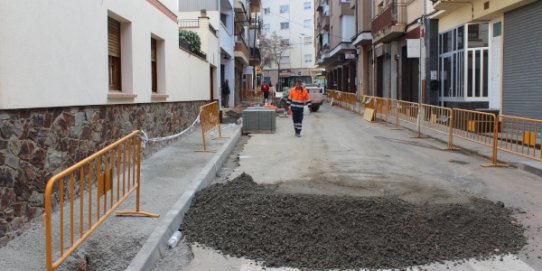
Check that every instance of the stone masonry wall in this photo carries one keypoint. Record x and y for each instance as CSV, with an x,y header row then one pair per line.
x,y
35,144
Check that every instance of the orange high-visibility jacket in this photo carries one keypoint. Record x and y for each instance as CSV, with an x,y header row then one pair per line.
x,y
299,98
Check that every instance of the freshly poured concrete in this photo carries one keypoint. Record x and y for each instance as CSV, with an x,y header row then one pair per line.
x,y
340,153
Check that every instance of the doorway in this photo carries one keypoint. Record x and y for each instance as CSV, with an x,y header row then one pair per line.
x,y
380,76
410,80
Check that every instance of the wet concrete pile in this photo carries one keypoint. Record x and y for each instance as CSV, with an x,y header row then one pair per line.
x,y
243,219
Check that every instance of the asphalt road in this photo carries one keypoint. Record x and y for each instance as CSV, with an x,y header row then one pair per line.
x,y
340,153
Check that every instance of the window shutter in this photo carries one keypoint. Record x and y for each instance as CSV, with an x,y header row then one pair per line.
x,y
113,30
153,49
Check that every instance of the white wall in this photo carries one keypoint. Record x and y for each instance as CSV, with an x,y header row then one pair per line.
x,y
296,16
54,53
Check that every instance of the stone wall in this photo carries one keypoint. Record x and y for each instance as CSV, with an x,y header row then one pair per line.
x,y
35,144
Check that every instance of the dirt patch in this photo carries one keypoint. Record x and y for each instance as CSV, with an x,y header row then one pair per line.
x,y
243,219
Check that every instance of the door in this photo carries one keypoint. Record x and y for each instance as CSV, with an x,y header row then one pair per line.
x,y
212,83
495,64
446,75
380,76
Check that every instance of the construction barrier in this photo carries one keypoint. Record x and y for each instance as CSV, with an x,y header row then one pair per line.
x,y
209,115
516,135
520,136
407,111
250,95
98,184
478,127
439,119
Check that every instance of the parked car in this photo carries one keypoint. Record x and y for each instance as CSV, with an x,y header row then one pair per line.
x,y
315,91
317,95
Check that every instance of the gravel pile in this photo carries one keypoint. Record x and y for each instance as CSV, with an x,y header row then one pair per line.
x,y
243,219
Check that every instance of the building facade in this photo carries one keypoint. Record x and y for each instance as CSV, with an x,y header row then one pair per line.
x,y
69,89
292,20
221,15
362,41
473,41
335,28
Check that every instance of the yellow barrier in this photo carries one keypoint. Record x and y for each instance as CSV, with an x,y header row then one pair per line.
x,y
478,127
439,119
109,176
209,120
521,136
248,95
407,111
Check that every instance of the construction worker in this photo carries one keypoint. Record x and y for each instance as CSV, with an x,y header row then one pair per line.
x,y
298,99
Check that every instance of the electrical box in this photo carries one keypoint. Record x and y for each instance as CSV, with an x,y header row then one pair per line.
x,y
259,120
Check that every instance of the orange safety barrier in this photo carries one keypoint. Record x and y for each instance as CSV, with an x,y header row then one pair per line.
x,y
521,136
407,112
439,119
478,127
209,115
102,182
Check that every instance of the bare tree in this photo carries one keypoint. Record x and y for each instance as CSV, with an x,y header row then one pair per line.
x,y
273,48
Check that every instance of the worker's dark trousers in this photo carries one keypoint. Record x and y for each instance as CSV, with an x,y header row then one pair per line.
x,y
297,117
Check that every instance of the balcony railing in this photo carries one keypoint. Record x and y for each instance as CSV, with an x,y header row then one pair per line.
x,y
383,20
241,46
189,23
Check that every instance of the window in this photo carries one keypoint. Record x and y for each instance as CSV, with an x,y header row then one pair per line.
x,y
478,35
266,10
464,61
284,9
308,58
307,40
284,59
266,28
154,72
307,5
224,19
284,25
114,55
497,29
307,23
284,42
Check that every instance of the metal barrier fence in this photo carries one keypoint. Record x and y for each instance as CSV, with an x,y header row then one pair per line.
x,y
439,119
101,182
209,115
251,95
407,111
516,135
520,136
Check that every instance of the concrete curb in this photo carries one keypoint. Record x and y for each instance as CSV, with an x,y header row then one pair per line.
x,y
156,244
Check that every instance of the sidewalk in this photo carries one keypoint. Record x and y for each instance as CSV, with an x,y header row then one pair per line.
x,y
465,146
165,177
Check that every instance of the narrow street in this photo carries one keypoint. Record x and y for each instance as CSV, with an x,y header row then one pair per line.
x,y
341,154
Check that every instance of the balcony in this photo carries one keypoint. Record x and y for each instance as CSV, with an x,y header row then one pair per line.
x,y
389,24
449,5
241,50
324,23
255,57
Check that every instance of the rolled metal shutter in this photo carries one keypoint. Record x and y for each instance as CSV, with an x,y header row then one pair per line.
x,y
522,62
113,32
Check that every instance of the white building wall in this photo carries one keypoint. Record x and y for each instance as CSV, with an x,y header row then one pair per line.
x,y
225,46
54,53
296,16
